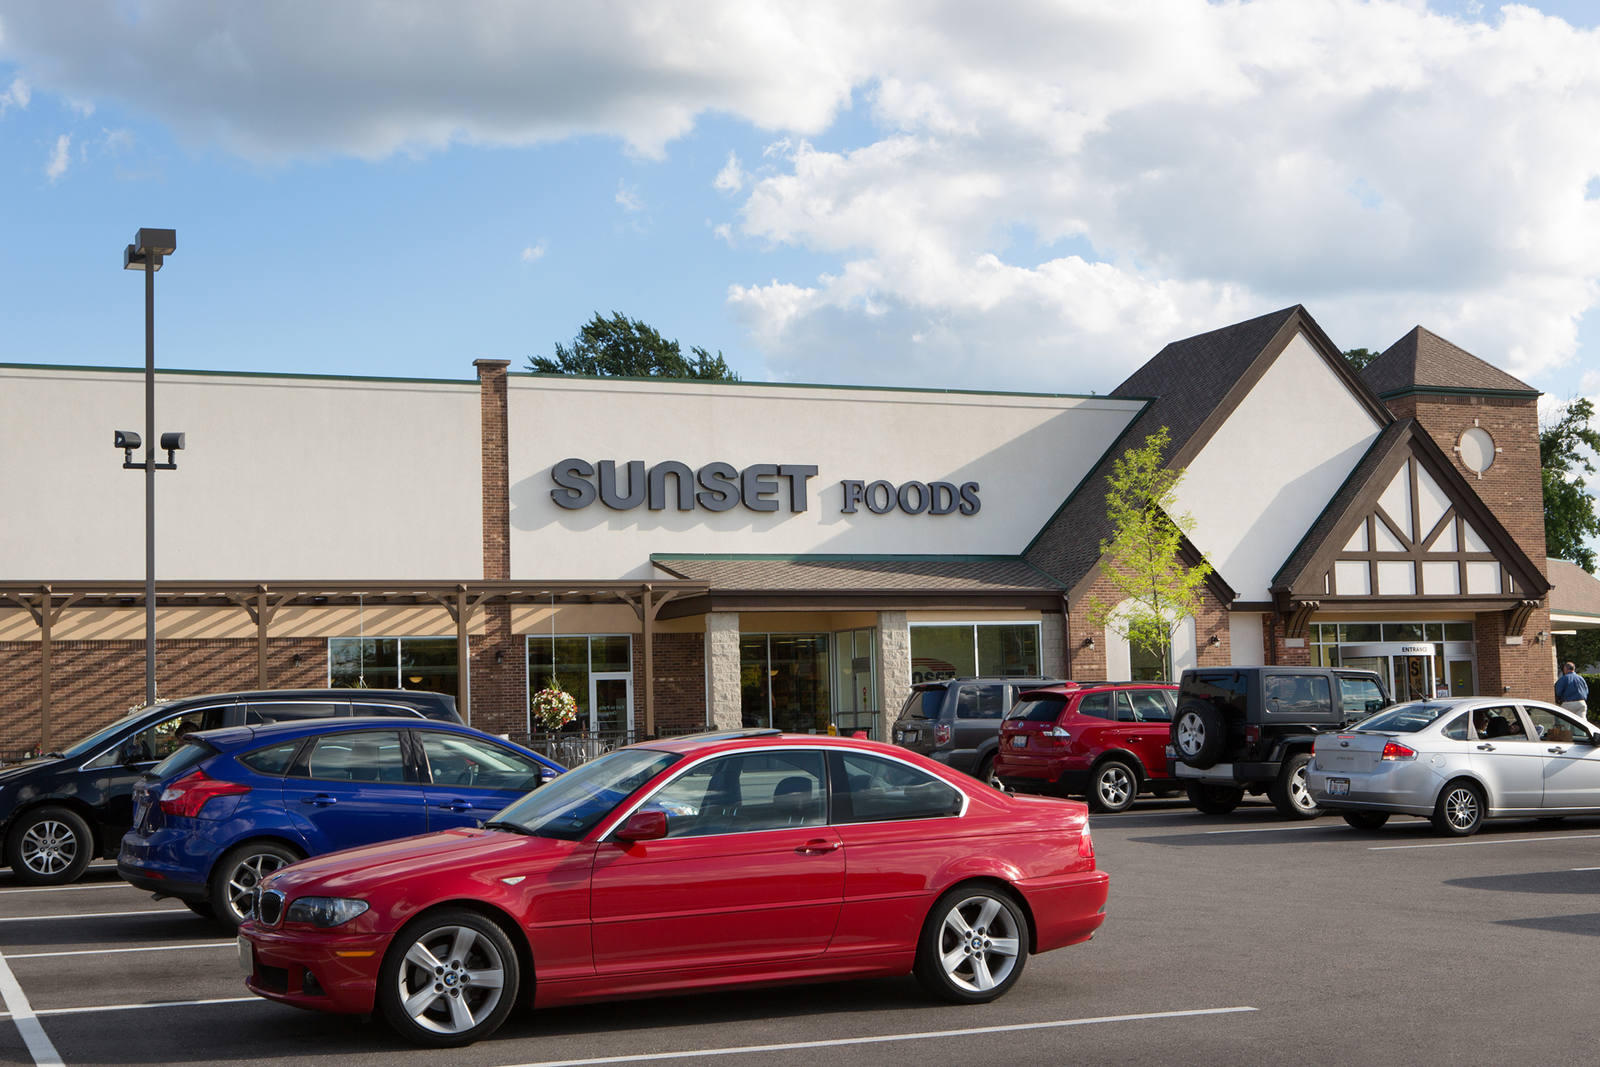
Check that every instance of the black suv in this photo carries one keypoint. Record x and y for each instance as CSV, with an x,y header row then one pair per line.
x,y
1250,729
957,720
59,811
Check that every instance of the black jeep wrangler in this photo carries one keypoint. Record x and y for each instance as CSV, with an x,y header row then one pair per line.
x,y
1245,730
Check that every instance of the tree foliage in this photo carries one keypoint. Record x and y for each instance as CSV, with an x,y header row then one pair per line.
x,y
1567,447
620,347
1358,358
1142,559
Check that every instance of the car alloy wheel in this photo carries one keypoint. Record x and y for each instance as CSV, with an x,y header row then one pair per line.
x,y
50,846
1459,812
233,886
1115,787
1191,734
450,980
973,946
1290,793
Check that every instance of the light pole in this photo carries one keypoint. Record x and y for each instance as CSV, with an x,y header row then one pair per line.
x,y
149,249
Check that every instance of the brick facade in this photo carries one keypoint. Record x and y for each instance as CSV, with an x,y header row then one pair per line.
x,y
1084,662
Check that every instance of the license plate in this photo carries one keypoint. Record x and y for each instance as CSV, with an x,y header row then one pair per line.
x,y
247,956
1338,787
1020,741
1172,753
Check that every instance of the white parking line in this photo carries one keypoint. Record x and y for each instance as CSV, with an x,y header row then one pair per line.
x,y
65,888
1279,829
880,1039
1586,868
90,1009
1505,841
109,951
21,1012
168,912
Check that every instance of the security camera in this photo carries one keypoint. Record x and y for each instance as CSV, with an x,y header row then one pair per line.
x,y
128,439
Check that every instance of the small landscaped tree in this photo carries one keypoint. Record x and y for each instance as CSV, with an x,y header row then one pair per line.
x,y
1143,557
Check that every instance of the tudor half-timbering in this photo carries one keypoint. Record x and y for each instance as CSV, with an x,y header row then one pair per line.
x,y
683,553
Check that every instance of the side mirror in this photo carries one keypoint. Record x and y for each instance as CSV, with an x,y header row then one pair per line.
x,y
643,826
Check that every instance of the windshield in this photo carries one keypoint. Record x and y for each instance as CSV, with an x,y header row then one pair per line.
x,y
100,737
573,803
1402,718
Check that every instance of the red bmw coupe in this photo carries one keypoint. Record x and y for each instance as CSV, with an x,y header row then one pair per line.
x,y
740,858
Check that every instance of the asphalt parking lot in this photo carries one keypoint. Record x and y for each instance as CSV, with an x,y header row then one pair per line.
x,y
1235,939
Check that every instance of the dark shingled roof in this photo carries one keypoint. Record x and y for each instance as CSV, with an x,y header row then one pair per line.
x,y
1574,590
1425,360
1188,381
971,574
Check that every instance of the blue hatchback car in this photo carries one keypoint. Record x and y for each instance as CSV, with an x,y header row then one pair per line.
x,y
233,805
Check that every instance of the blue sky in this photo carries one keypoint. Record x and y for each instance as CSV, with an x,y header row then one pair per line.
x,y
1036,198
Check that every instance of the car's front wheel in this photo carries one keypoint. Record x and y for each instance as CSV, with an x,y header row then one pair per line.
x,y
985,773
973,946
49,846
1290,793
1460,809
449,979
1114,787
234,880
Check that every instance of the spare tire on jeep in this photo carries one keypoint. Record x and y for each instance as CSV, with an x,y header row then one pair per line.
x,y
1199,735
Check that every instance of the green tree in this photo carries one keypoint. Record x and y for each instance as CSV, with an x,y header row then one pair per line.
x,y
1142,559
620,347
1567,447
1358,358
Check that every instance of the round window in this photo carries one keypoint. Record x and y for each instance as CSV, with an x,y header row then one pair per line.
x,y
1477,450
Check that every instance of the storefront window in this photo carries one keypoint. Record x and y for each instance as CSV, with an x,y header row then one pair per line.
x,y
424,663
1389,650
974,650
574,662
784,681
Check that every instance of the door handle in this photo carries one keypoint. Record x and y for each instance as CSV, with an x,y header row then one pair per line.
x,y
818,847
1557,751
321,800
1485,748
455,805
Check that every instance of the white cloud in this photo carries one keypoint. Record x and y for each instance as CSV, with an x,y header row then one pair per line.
x,y
533,252
1042,191
628,199
730,179
16,95
60,157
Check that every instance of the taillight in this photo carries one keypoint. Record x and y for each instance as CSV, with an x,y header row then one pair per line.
x,y
941,733
1061,732
1252,735
1393,751
1086,844
189,794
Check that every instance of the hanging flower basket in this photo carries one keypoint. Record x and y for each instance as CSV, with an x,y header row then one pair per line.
x,y
554,707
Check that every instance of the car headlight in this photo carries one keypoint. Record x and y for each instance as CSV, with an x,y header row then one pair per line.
x,y
324,911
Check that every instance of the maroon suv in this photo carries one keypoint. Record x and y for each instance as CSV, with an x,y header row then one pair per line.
x,y
1103,740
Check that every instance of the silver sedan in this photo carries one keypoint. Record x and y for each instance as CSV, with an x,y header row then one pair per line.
x,y
1459,761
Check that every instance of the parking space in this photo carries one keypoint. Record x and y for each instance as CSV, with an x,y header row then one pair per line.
x,y
1239,938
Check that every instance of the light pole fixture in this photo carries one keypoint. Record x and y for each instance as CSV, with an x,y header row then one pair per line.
x,y
147,252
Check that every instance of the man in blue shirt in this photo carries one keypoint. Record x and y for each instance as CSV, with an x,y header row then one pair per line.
x,y
1572,692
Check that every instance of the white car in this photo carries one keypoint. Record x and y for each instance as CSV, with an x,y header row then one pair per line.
x,y
1458,761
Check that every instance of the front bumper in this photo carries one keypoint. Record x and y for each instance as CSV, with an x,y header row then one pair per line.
x,y
316,969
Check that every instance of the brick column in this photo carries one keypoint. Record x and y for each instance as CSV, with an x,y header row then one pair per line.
x,y
722,671
499,666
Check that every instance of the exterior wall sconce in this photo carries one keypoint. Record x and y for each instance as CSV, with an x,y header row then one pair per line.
x,y
297,658
1088,642
1541,637
500,657
1215,641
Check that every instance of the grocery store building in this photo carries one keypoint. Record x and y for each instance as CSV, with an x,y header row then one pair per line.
x,y
679,554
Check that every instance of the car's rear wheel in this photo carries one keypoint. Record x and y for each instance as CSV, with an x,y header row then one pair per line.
x,y
1114,787
449,979
234,879
973,946
985,773
49,846
1460,809
201,908
1365,820
1198,735
1214,799
1290,793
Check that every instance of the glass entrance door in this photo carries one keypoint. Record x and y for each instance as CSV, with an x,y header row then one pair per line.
x,y
1413,678
611,705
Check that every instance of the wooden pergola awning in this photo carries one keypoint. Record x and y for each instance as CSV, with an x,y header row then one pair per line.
x,y
47,601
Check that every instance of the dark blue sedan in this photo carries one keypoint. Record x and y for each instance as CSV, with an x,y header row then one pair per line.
x,y
233,805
